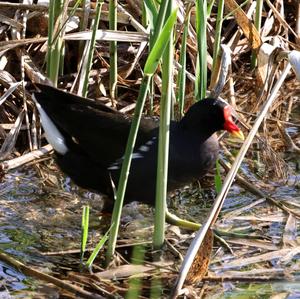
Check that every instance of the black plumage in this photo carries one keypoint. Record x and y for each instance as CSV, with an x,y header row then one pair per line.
x,y
93,139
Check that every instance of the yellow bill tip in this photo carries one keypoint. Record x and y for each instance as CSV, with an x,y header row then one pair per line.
x,y
238,134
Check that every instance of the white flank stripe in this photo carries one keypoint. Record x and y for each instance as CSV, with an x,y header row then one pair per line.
x,y
53,136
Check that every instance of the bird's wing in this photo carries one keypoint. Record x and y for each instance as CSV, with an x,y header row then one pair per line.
x,y
98,130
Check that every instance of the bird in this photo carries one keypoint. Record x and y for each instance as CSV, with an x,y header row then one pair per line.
x,y
89,140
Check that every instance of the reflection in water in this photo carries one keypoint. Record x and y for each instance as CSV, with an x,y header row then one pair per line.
x,y
10,279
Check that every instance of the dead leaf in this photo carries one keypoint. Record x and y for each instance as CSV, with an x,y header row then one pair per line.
x,y
284,255
202,259
124,271
289,238
246,25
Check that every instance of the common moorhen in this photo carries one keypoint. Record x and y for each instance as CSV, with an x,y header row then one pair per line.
x,y
89,139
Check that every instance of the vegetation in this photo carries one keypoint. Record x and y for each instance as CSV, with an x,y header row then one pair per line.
x,y
154,58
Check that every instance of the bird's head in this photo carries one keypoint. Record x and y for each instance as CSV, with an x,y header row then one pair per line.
x,y
212,115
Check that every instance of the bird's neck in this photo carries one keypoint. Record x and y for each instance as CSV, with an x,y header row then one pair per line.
x,y
204,131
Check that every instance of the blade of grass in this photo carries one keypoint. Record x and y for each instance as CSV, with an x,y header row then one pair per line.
x,y
257,24
58,20
135,283
163,142
181,81
54,46
99,246
217,42
88,62
151,14
218,178
116,215
160,44
210,6
149,69
156,288
84,230
154,32
113,70
201,68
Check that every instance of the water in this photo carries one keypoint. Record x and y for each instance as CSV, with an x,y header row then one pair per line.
x,y
40,216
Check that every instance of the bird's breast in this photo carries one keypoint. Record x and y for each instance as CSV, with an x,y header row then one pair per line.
x,y
192,161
